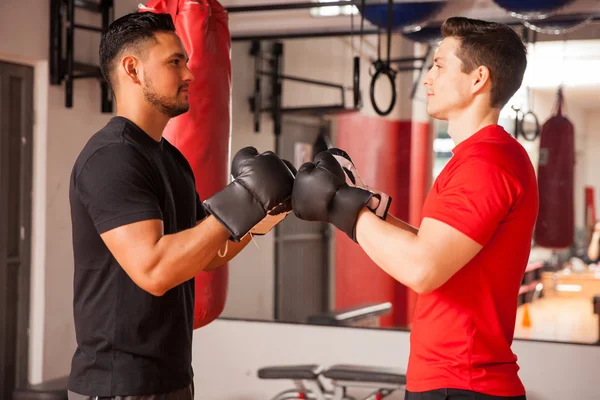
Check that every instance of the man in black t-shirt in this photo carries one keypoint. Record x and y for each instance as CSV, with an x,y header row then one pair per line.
x,y
141,232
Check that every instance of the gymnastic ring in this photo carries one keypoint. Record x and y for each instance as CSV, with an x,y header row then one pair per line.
x,y
383,69
535,133
356,87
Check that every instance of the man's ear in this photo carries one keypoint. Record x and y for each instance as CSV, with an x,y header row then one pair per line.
x,y
130,67
481,77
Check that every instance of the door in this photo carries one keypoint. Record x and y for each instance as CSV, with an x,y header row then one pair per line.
x,y
16,126
301,268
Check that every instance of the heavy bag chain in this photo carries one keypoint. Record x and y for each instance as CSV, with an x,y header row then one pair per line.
x,y
384,68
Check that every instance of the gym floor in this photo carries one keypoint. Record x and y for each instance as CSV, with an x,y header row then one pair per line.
x,y
558,319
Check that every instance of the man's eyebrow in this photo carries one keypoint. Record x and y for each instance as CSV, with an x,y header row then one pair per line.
x,y
180,56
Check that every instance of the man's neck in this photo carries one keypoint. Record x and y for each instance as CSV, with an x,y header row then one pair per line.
x,y
148,118
466,123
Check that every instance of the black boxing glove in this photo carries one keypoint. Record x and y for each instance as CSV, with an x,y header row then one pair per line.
x,y
261,183
277,214
322,194
380,202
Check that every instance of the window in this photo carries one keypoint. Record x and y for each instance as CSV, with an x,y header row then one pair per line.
x,y
332,11
442,147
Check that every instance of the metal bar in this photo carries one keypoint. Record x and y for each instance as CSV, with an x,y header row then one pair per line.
x,y
390,21
407,59
56,66
85,76
302,109
304,80
86,68
88,5
404,69
87,27
256,51
107,17
421,71
310,109
14,260
277,87
289,6
70,55
301,35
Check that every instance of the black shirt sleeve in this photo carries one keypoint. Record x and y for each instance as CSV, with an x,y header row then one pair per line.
x,y
117,186
200,210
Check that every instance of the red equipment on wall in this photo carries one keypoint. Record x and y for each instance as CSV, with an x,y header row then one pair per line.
x,y
555,224
203,133
383,160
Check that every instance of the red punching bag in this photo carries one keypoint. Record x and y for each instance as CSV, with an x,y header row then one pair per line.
x,y
555,224
203,133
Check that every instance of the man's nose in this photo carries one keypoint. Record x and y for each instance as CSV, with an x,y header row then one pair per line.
x,y
188,76
428,79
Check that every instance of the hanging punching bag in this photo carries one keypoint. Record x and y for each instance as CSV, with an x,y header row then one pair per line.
x,y
555,224
203,133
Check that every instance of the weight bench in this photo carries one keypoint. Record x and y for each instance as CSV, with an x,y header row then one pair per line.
x,y
307,379
383,380
364,315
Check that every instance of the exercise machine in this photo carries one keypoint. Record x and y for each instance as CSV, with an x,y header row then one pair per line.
x,y
312,381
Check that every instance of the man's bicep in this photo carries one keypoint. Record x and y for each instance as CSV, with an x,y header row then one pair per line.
x,y
200,210
132,246
448,248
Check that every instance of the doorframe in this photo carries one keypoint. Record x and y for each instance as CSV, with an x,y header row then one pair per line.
x,y
33,370
22,303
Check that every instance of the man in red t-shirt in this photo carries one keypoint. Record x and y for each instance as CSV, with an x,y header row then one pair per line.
x,y
468,258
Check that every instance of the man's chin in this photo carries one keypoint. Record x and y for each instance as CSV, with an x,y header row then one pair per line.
x,y
437,114
177,111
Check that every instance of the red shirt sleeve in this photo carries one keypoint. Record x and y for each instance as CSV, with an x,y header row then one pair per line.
x,y
474,198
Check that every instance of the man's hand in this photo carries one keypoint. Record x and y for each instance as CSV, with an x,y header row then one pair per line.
x,y
380,202
322,194
262,183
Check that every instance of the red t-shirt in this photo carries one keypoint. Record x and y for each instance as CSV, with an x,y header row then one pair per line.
x,y
462,332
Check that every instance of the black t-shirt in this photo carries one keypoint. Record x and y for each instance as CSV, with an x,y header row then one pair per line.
x,y
129,342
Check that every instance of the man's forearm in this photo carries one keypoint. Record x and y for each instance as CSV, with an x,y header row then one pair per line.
x,y
401,224
394,248
229,250
179,257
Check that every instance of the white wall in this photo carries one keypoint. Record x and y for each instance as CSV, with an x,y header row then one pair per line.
x,y
225,365
592,159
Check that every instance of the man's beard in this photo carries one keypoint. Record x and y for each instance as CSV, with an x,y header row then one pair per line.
x,y
168,106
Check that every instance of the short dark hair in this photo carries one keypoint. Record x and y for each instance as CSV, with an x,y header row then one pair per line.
x,y
494,45
130,32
